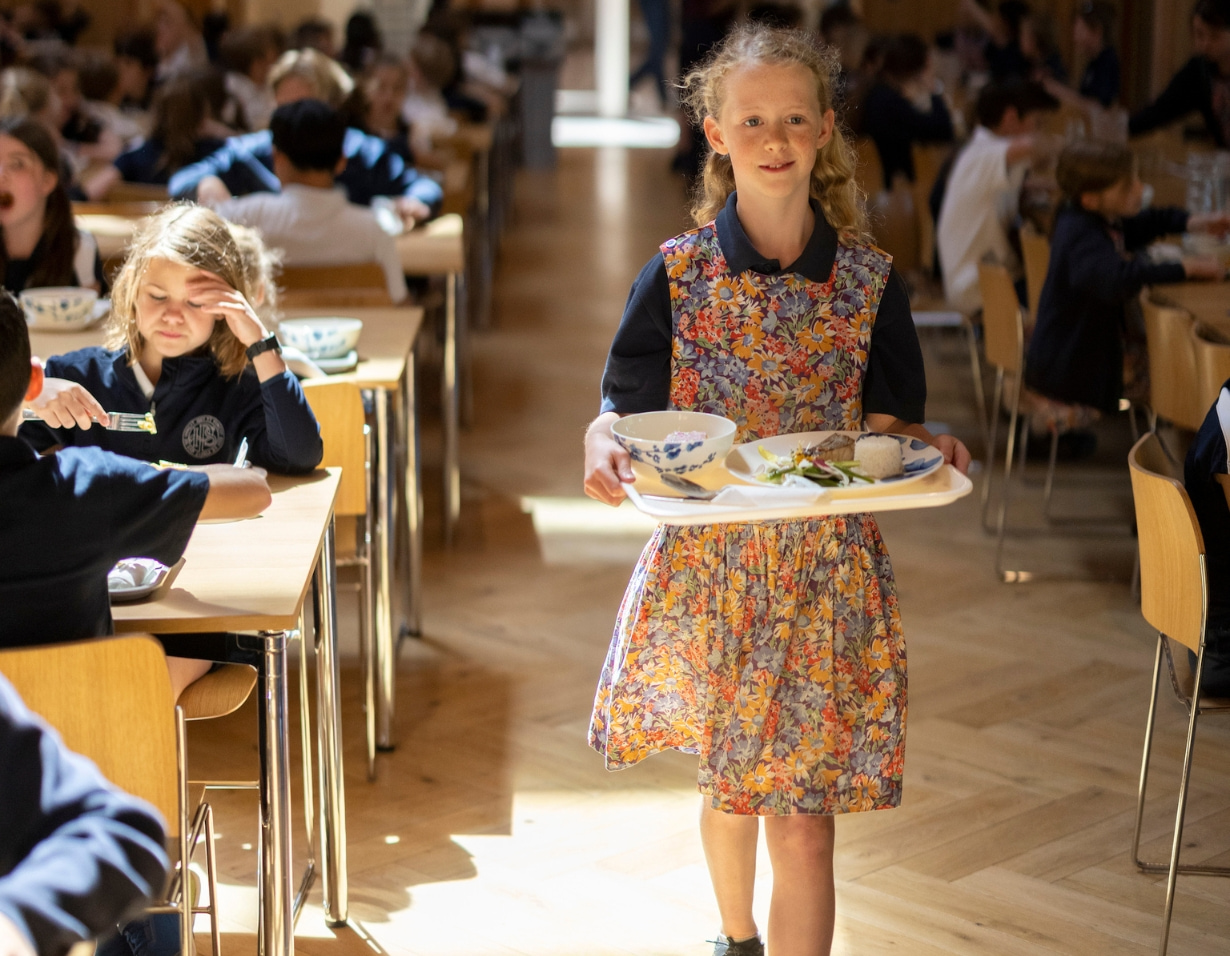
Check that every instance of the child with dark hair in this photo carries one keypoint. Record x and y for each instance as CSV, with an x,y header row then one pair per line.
x,y
179,136
1202,84
136,60
247,55
309,220
1076,353
39,243
982,197
1093,28
905,107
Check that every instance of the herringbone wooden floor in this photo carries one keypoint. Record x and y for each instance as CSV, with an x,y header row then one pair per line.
x,y
494,830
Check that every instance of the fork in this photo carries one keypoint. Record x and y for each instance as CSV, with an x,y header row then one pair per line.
x,y
120,421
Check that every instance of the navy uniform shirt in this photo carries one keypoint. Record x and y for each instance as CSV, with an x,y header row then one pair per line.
x,y
245,165
66,519
77,855
637,377
201,416
1076,350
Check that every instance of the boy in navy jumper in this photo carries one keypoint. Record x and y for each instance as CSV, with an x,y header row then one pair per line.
x,y
66,519
1077,349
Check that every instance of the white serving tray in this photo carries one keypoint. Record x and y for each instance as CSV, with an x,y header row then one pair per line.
x,y
941,488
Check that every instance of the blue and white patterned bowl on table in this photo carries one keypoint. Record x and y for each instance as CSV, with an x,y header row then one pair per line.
x,y
644,437
322,338
58,306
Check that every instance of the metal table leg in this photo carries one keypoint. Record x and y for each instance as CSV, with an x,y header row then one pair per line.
x,y
329,741
408,428
381,557
449,403
275,936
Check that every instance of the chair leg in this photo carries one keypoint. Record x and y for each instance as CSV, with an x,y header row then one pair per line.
x,y
211,872
1177,842
1006,490
1144,763
1050,474
980,398
997,396
306,741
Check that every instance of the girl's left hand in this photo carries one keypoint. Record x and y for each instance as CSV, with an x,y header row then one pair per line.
x,y
1218,223
213,294
955,452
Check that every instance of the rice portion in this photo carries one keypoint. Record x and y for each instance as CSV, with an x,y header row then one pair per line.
x,y
879,456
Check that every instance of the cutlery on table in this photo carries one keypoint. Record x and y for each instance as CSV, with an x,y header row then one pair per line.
x,y
120,421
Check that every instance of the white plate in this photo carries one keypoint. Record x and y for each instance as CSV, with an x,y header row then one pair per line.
x,y
919,458
147,574
101,308
333,365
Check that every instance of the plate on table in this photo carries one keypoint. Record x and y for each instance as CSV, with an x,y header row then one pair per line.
x,y
135,578
344,363
918,459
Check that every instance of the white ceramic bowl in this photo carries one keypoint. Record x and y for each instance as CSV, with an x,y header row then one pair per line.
x,y
644,436
322,338
58,306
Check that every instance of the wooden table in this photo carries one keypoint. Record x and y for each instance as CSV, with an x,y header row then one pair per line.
x,y
386,370
255,575
1207,301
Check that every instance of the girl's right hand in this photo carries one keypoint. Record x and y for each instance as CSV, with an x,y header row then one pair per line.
x,y
65,404
607,465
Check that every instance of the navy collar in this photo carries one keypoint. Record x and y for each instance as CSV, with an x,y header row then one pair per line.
x,y
815,263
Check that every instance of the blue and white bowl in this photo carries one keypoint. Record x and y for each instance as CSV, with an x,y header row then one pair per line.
x,y
644,436
58,306
323,338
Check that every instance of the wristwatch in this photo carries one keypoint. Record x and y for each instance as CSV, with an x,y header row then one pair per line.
x,y
269,343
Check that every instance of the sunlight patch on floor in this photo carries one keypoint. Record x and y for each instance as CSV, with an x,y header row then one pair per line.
x,y
584,531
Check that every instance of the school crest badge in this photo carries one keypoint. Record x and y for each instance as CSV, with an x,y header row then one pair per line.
x,y
203,436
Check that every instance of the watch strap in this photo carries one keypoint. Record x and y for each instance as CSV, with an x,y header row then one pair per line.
x,y
269,343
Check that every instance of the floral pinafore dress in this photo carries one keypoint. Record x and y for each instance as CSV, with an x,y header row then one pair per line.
x,y
771,649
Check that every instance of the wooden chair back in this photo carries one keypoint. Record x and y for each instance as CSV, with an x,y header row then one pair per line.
x,y
124,210
895,224
359,285
1036,251
110,700
928,158
1173,393
870,171
136,192
1003,327
1171,547
338,407
1212,363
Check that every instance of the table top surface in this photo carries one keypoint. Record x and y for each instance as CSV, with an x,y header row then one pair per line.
x,y
1207,301
244,575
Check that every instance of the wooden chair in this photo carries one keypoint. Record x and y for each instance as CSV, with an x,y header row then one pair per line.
x,y
1036,251
359,285
928,158
1172,367
338,407
110,700
1212,362
1174,600
124,210
870,171
1003,328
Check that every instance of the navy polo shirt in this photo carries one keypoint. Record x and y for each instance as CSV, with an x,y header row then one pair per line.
x,y
201,415
66,519
637,377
